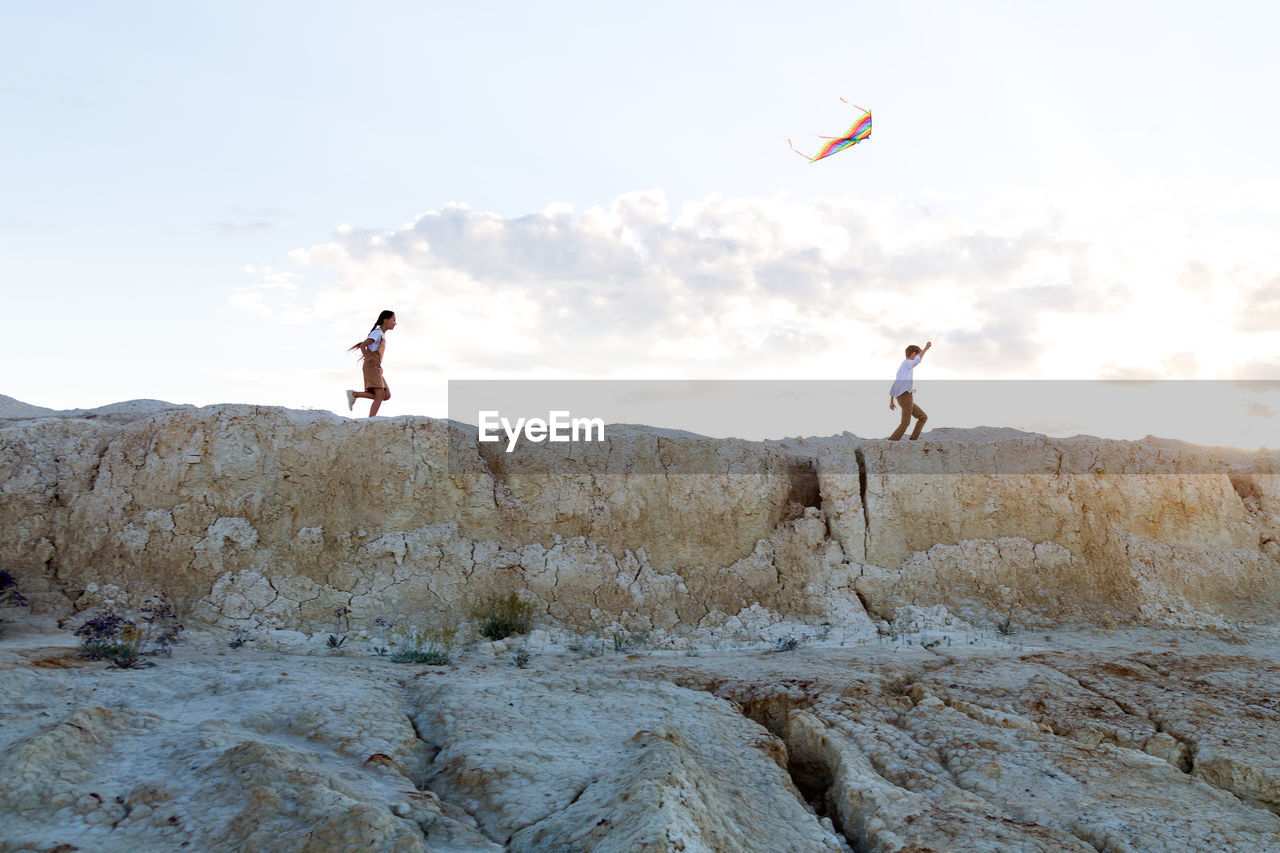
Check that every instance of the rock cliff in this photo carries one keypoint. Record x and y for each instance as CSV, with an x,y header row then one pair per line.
x,y
685,733
264,518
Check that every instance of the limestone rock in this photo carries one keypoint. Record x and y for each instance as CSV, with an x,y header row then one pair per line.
x,y
258,518
1113,740
556,762
986,752
269,754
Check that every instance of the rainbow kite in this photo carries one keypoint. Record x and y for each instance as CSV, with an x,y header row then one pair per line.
x,y
859,131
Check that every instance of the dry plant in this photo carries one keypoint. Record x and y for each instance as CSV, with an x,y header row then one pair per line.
x,y
500,616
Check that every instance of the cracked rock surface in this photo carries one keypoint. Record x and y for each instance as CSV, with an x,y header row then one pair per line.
x,y
256,518
1138,740
806,645
971,750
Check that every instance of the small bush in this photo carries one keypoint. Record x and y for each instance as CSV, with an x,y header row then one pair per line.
x,y
498,617
622,641
9,595
431,646
1005,627
790,642
160,626
385,627
343,615
430,657
110,636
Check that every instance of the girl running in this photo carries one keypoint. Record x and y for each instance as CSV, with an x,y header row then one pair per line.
x,y
372,349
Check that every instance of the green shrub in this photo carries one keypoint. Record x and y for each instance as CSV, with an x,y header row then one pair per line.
x,y
109,636
790,642
124,642
431,646
500,616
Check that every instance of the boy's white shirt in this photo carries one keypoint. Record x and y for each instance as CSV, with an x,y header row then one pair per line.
x,y
904,382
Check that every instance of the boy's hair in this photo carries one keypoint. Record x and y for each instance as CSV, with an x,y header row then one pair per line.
x,y
912,350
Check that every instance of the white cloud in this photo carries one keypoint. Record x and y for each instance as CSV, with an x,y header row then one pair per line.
x,y
1259,307
777,287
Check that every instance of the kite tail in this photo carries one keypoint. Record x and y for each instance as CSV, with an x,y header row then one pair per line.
x,y
798,151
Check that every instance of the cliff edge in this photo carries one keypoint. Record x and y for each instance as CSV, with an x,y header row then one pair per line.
x,y
255,517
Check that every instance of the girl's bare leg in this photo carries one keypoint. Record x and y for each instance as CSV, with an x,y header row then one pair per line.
x,y
378,396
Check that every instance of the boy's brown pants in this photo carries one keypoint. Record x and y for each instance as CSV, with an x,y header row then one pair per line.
x,y
909,409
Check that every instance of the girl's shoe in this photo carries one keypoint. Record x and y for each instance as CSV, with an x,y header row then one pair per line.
x,y
351,400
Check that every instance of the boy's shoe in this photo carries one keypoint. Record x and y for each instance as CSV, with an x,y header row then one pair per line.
x,y
351,400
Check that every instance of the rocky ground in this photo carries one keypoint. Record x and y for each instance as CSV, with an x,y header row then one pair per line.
x,y
810,645
940,739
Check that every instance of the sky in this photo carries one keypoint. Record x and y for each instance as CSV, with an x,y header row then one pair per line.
x,y
209,203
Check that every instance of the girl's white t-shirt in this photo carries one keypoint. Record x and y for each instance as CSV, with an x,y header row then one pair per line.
x,y
376,335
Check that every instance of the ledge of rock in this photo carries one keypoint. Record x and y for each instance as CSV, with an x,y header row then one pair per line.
x,y
252,517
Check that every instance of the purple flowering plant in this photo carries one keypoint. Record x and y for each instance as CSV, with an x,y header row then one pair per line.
x,y
343,615
160,625
124,642
9,594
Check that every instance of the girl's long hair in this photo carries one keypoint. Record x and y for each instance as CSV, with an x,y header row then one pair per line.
x,y
383,316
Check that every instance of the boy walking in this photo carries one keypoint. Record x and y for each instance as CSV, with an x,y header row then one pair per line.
x,y
904,391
